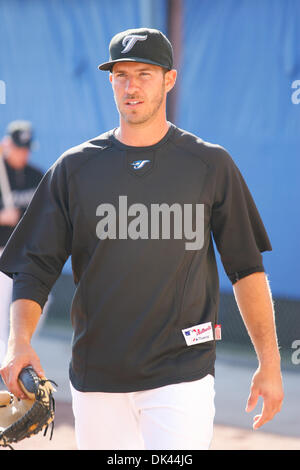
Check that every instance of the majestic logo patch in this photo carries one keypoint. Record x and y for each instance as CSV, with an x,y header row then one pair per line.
x,y
198,334
139,164
130,40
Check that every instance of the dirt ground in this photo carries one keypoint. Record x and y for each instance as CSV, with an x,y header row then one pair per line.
x,y
225,438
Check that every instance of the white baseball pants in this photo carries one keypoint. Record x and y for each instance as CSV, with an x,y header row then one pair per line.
x,y
178,416
6,284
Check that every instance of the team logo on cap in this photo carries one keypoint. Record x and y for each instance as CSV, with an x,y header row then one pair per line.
x,y
130,40
25,136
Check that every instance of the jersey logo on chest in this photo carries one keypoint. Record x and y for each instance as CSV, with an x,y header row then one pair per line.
x,y
139,164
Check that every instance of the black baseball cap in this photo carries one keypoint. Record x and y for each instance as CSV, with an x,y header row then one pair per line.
x,y
20,133
146,45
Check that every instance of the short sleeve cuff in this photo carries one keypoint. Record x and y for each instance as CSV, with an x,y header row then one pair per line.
x,y
26,286
236,276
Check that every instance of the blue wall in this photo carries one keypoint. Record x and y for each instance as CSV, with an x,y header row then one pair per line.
x,y
49,53
239,60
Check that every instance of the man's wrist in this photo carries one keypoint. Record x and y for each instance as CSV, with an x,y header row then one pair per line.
x,y
17,341
270,361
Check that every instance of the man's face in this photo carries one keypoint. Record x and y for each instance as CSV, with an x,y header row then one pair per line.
x,y
17,156
139,91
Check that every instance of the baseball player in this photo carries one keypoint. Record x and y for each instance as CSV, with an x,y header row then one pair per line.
x,y
18,181
137,208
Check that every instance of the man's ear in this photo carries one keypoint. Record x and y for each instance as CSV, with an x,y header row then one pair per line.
x,y
170,79
110,77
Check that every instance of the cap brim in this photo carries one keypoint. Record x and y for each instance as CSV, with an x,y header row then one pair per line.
x,y
109,65
28,145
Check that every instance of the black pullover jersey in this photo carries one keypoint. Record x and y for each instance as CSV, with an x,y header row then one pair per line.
x,y
139,224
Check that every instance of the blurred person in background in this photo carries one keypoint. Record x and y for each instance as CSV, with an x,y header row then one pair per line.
x,y
18,181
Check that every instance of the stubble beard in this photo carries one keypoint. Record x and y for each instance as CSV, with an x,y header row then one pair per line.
x,y
135,118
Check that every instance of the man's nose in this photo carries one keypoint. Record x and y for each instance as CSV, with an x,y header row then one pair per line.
x,y
131,85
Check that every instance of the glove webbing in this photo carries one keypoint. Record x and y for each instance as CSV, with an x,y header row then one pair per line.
x,y
40,394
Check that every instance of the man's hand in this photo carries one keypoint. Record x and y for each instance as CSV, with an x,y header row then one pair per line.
x,y
10,216
24,317
17,357
267,383
254,300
